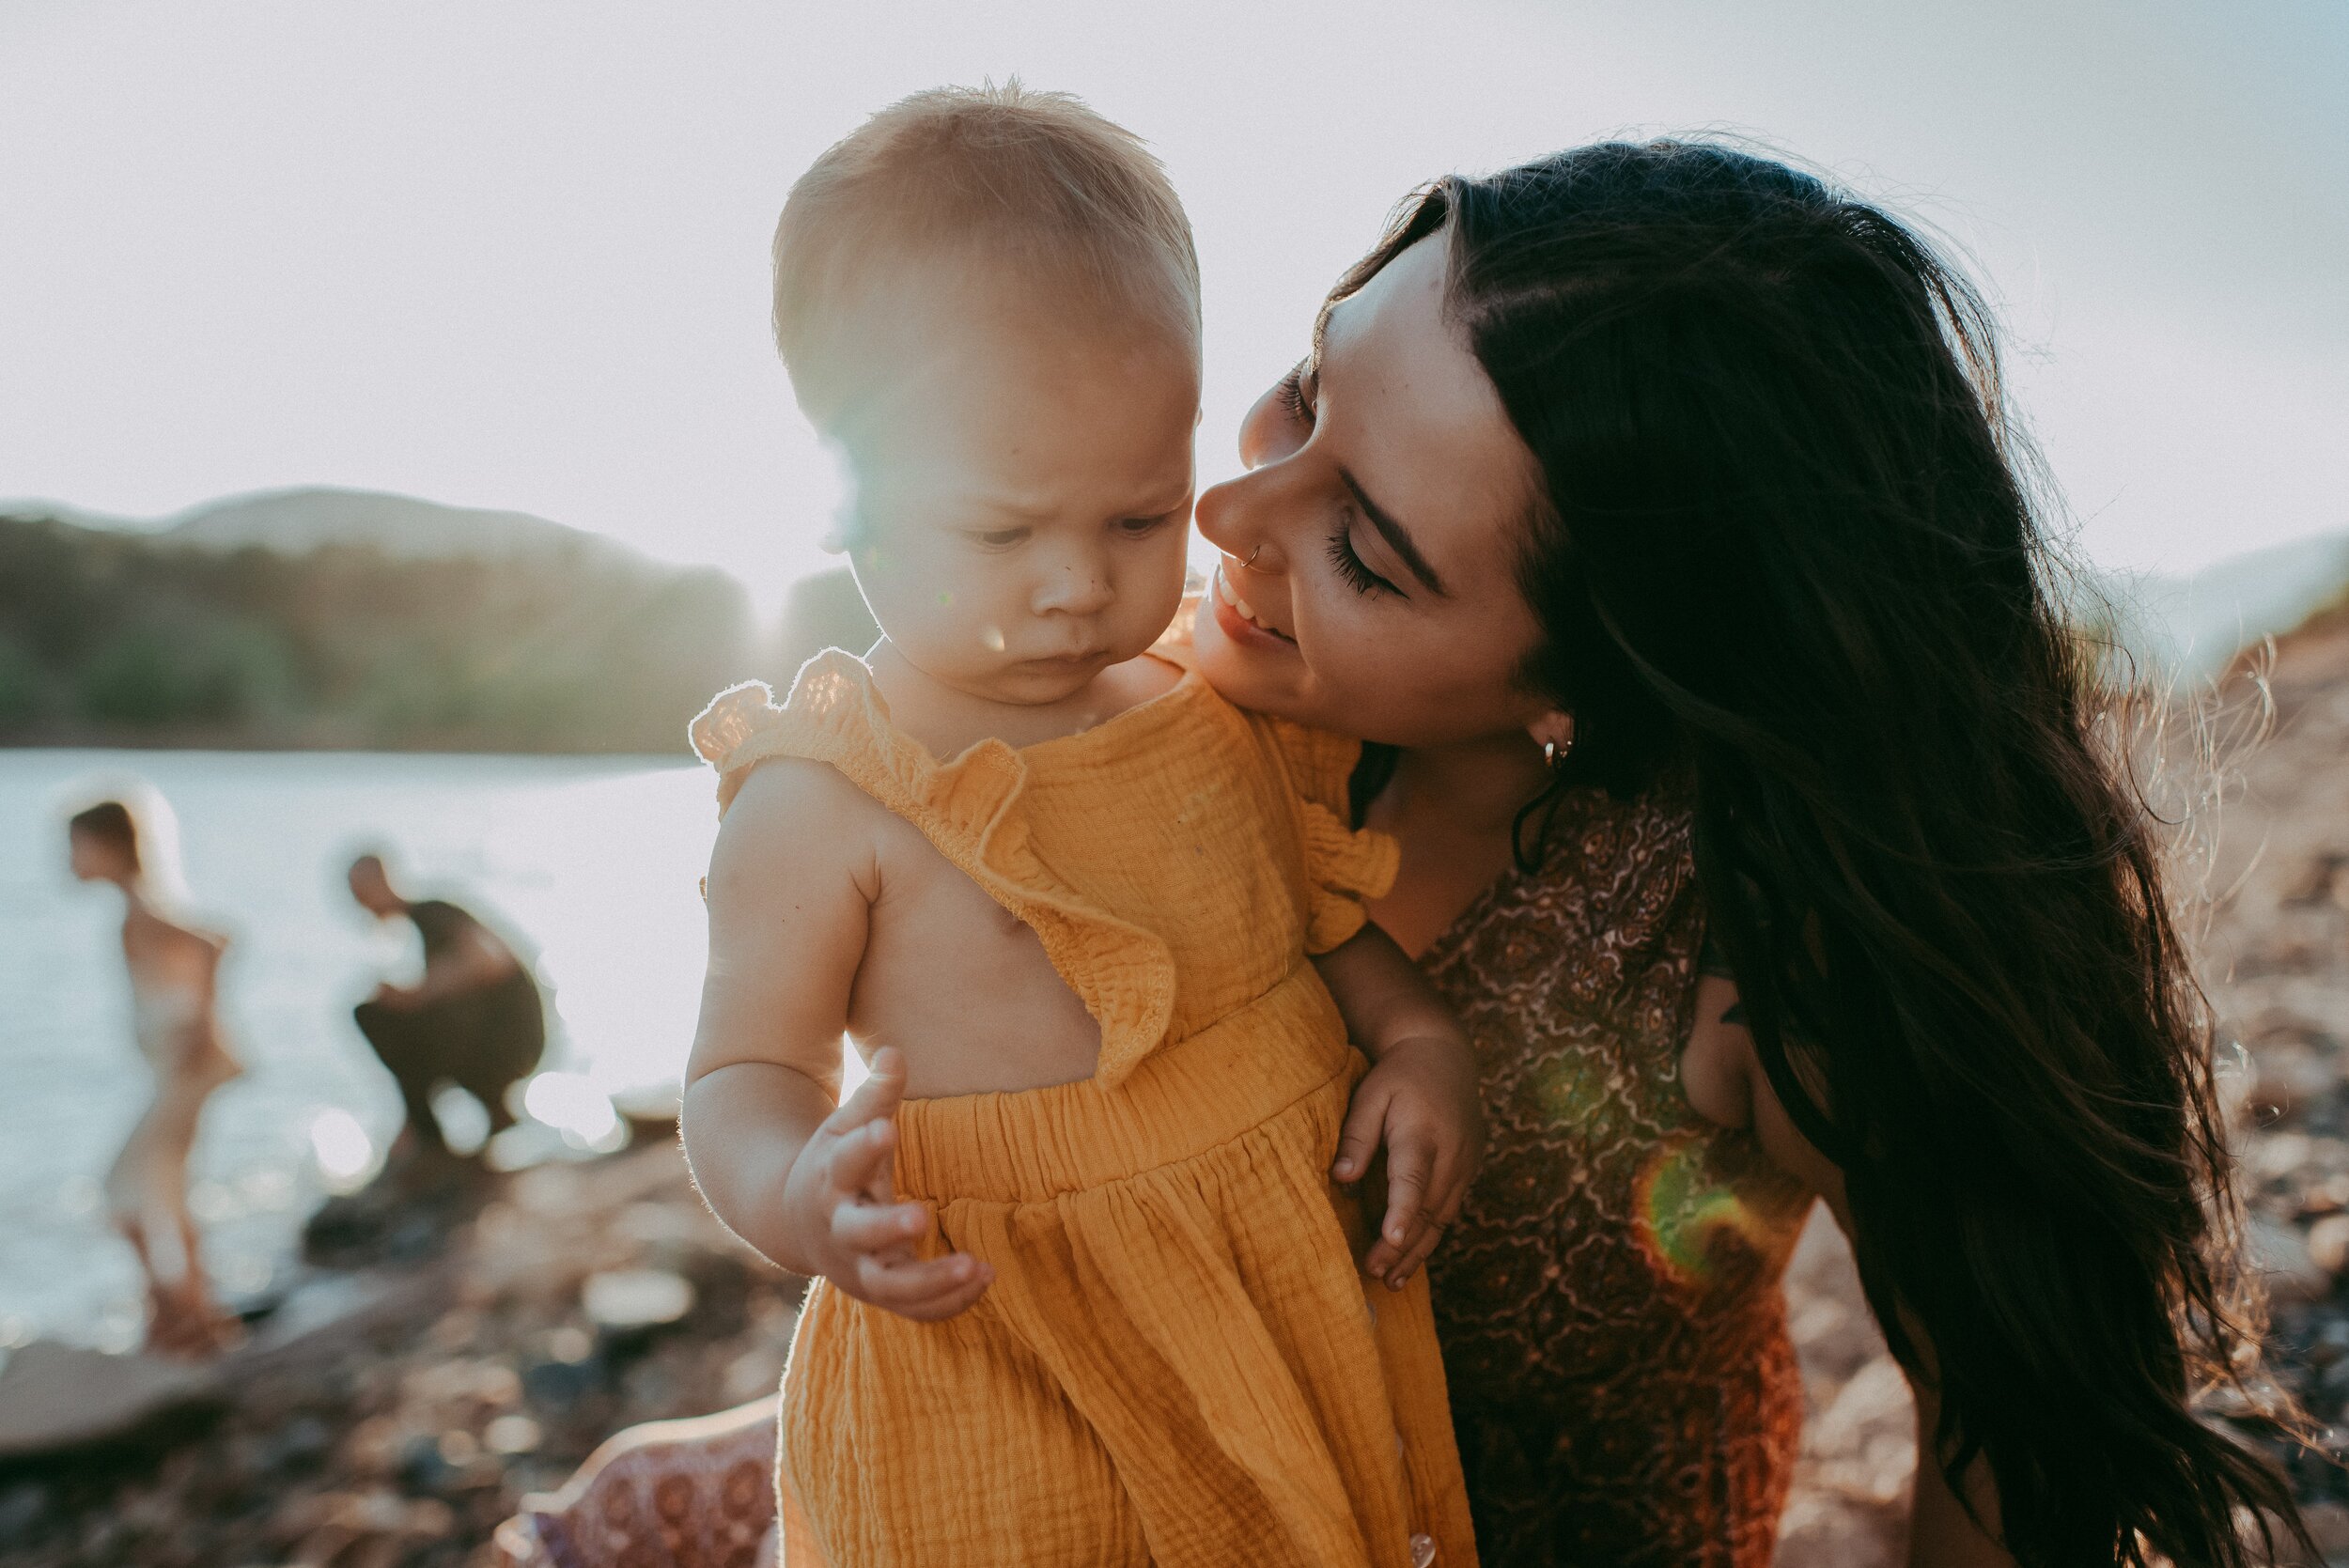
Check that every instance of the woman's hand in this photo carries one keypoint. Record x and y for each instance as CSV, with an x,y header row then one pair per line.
x,y
1418,1101
840,1205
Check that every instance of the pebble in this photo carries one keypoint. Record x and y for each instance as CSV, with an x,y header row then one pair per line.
x,y
511,1435
21,1507
636,1297
2328,1244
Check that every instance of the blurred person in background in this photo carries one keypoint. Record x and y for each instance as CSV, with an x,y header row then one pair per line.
x,y
172,966
475,1019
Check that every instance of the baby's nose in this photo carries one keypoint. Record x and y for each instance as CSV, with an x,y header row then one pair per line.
x,y
1074,589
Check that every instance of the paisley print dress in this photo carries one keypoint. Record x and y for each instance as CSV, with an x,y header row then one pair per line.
x,y
1622,1382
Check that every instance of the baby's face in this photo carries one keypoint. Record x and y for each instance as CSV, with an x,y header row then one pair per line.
x,y
1023,497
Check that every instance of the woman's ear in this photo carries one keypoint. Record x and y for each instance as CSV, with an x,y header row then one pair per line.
x,y
1553,731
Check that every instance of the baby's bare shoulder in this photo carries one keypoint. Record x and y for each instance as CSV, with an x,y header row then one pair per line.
x,y
793,815
1138,680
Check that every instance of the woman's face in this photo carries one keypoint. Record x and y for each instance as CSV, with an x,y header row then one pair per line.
x,y
1368,580
92,858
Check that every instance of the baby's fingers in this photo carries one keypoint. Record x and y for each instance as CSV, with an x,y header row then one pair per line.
x,y
1446,1197
1410,1167
1423,1246
1406,1215
878,1228
952,1303
1359,1139
876,1098
927,1289
862,1162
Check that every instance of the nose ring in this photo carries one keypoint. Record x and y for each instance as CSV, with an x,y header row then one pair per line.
x,y
1249,564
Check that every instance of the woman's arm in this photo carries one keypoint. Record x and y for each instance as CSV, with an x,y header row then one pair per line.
x,y
1724,1082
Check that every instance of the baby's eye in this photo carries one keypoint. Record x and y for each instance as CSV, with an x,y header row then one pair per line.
x,y
1000,538
1136,527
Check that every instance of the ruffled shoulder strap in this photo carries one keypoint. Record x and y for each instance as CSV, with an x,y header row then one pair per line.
x,y
1344,865
968,810
741,727
835,716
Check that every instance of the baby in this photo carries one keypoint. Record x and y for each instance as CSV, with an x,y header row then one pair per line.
x,y
1084,1292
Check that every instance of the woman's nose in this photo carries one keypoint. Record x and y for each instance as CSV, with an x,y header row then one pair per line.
x,y
1232,517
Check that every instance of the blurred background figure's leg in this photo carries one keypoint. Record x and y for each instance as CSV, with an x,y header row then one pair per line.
x,y
411,1047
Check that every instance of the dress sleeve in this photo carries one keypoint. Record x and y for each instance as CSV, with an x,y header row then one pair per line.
x,y
1344,864
741,728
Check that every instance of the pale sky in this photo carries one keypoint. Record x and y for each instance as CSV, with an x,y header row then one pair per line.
x,y
514,255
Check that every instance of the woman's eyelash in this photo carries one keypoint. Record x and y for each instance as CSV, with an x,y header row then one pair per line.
x,y
1352,567
1292,390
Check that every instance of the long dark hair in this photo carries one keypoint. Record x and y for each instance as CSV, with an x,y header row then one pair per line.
x,y
110,823
1785,557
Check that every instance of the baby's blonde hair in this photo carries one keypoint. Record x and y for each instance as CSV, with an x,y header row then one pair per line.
x,y
1037,181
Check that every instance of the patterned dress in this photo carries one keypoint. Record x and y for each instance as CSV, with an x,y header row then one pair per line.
x,y
1622,1383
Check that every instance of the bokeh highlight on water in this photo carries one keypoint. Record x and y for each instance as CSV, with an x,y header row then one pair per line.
x,y
592,865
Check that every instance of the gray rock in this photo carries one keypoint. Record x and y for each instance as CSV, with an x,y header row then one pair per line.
x,y
54,1397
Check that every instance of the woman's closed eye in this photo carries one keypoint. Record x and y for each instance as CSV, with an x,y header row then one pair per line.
x,y
1350,565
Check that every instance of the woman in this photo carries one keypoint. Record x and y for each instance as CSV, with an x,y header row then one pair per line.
x,y
1695,472
1652,512
174,969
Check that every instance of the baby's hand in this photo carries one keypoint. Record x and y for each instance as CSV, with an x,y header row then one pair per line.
x,y
839,1199
1419,1099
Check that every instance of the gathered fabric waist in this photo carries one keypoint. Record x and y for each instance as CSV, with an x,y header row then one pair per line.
x,y
1033,1145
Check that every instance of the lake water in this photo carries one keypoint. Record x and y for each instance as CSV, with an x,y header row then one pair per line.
x,y
594,864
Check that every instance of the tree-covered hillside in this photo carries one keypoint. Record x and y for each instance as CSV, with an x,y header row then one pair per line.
x,y
109,637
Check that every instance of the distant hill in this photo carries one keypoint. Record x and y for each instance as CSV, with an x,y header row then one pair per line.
x,y
293,522
2192,625
346,619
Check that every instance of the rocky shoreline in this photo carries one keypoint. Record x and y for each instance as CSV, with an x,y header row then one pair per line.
x,y
578,1300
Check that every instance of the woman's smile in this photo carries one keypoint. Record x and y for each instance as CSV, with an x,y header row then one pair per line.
x,y
1238,618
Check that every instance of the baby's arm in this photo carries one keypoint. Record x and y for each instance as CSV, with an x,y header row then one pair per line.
x,y
791,885
1420,1098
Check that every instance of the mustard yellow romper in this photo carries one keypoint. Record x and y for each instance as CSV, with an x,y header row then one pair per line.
x,y
1177,1362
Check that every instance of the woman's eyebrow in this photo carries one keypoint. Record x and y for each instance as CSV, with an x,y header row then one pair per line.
x,y
1398,536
